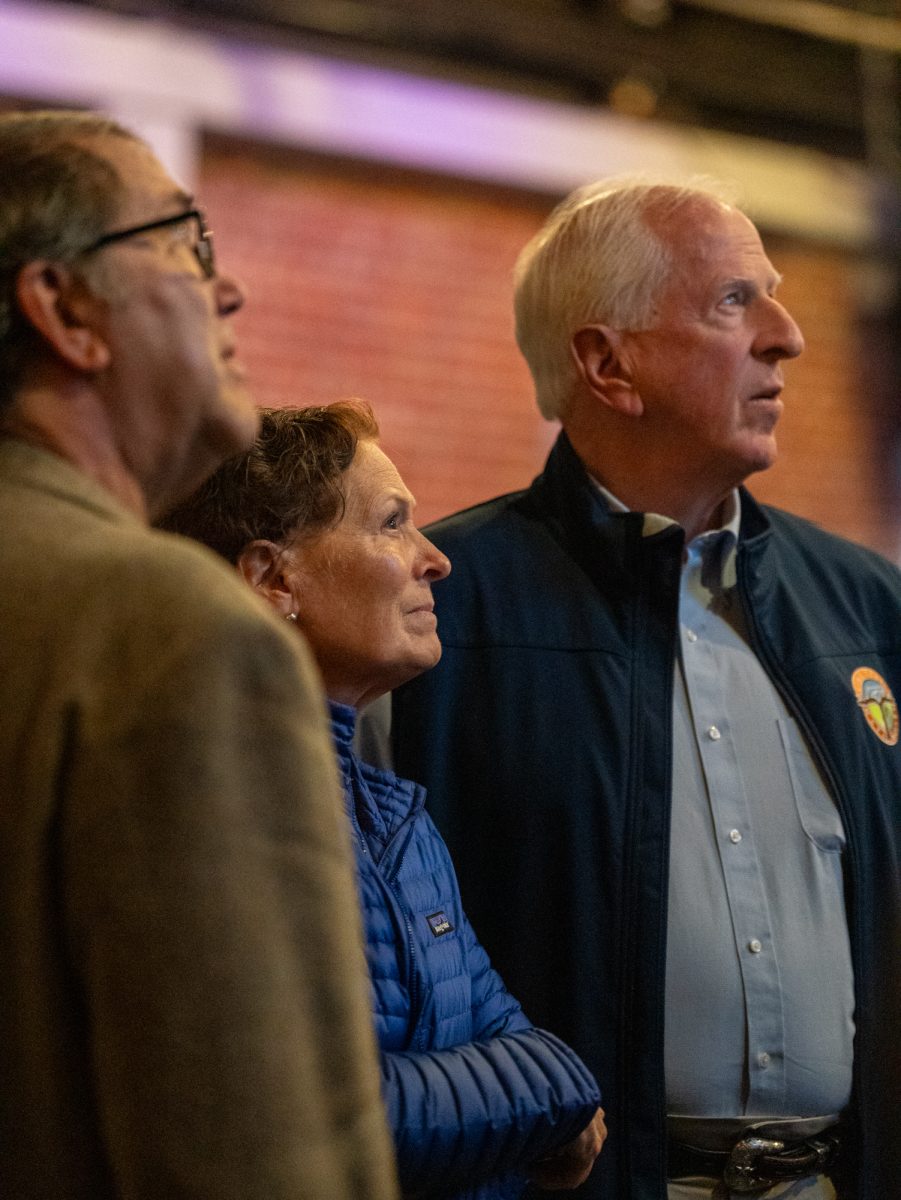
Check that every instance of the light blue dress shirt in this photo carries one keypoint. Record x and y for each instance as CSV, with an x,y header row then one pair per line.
x,y
759,982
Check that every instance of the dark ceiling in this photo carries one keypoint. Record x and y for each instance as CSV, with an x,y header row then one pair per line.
x,y
834,86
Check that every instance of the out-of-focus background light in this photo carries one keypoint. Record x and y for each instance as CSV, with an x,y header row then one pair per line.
x,y
372,168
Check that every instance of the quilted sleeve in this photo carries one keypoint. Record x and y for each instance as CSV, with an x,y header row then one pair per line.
x,y
469,1113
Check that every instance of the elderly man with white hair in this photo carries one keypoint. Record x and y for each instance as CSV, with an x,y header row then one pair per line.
x,y
663,739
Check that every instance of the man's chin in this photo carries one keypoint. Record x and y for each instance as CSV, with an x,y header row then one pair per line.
x,y
760,456
237,425
230,433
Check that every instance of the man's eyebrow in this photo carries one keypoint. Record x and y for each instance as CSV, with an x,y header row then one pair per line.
x,y
182,198
749,283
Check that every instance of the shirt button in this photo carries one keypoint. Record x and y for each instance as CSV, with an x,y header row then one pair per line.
x,y
734,836
755,946
690,635
763,1059
714,734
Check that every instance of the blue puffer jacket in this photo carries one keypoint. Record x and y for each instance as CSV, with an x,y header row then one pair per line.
x,y
474,1092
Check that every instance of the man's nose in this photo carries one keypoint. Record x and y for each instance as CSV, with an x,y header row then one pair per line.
x,y
230,294
781,337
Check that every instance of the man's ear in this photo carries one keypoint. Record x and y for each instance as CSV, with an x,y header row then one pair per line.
x,y
262,564
63,311
599,354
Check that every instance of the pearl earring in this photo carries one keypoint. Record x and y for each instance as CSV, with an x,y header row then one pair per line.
x,y
291,617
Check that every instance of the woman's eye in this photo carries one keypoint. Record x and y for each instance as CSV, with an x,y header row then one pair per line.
x,y
393,522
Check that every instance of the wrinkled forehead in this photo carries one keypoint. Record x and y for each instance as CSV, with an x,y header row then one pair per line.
x,y
706,238
680,222
146,189
372,476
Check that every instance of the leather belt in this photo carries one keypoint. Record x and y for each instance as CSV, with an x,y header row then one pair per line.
x,y
758,1160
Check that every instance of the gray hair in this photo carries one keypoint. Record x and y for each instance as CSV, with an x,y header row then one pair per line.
x,y
289,485
58,197
596,259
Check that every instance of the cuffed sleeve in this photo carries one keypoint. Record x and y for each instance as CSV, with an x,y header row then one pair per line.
x,y
483,1109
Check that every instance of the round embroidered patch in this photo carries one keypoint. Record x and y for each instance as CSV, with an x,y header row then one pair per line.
x,y
878,705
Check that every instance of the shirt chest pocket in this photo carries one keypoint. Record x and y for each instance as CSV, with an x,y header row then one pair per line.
x,y
815,807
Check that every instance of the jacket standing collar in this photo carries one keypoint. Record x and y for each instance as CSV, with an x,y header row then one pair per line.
x,y
573,498
344,724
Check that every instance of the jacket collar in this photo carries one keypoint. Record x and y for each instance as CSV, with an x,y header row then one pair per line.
x,y
566,491
608,546
344,724
755,523
44,471
378,799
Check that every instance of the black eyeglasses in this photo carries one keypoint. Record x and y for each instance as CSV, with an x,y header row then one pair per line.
x,y
202,244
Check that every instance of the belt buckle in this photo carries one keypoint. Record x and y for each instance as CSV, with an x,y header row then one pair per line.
x,y
741,1173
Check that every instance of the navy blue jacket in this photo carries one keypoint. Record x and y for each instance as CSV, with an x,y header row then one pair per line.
x,y
474,1092
544,738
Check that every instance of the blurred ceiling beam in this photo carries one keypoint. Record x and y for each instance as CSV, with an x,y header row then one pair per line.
x,y
852,27
172,82
704,68
761,68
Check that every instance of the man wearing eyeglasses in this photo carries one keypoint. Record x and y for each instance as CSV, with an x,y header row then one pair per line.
x,y
182,1000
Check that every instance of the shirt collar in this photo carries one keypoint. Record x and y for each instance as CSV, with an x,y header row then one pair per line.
x,y
715,548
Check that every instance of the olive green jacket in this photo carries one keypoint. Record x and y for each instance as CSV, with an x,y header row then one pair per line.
x,y
183,1005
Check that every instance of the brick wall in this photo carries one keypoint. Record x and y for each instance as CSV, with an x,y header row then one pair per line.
x,y
830,458
397,289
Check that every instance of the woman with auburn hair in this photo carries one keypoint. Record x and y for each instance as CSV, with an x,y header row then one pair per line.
x,y
317,520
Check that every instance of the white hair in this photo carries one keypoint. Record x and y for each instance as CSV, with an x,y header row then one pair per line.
x,y
598,260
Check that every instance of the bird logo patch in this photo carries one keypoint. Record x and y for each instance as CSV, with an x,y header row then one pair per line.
x,y
876,702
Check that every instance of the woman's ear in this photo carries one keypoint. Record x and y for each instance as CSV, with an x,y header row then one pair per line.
x,y
265,566
63,310
601,360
